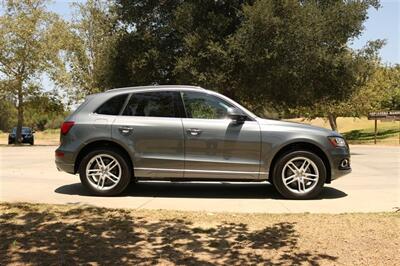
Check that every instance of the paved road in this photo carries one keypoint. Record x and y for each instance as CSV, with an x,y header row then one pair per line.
x,y
28,174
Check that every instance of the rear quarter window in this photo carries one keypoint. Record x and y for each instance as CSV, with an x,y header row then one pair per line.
x,y
112,106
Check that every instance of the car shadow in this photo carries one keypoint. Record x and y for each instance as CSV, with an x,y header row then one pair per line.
x,y
200,190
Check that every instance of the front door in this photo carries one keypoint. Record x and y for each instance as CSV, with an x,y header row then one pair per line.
x,y
152,126
215,146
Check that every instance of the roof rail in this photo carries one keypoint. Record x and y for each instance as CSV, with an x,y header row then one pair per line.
x,y
155,87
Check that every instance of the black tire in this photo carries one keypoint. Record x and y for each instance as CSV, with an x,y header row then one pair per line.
x,y
125,172
32,142
10,142
278,179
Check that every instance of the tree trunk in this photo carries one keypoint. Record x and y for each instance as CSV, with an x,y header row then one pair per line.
x,y
20,109
332,121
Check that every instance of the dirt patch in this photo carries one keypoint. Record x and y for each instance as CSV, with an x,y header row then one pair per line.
x,y
58,234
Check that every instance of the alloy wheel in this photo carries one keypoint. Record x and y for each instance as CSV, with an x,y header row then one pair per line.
x,y
300,175
103,172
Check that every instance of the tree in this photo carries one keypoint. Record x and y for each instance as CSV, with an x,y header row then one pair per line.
x,y
42,109
175,42
388,79
381,92
292,54
205,28
149,43
369,90
8,114
31,41
93,36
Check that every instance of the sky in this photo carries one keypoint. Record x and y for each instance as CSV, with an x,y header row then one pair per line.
x,y
383,23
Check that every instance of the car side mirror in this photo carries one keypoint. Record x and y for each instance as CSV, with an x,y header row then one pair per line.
x,y
33,131
236,115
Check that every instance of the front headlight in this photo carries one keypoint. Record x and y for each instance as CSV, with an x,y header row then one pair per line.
x,y
337,141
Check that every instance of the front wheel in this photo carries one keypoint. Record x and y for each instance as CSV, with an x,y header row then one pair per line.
x,y
104,172
299,175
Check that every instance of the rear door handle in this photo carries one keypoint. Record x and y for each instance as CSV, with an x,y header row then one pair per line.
x,y
193,131
125,130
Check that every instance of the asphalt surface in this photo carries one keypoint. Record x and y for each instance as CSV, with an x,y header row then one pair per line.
x,y
28,174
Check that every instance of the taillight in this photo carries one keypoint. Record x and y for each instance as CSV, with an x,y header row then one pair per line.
x,y
66,126
59,154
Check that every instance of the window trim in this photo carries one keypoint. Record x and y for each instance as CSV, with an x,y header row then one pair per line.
x,y
182,103
125,104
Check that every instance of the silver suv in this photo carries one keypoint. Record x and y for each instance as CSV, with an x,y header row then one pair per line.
x,y
185,133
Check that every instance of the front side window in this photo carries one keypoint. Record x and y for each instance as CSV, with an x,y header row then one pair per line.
x,y
204,106
113,106
155,104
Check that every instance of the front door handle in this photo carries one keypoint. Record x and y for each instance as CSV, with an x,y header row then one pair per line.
x,y
194,131
125,130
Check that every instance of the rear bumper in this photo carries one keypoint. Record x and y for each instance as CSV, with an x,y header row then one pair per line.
x,y
64,161
69,168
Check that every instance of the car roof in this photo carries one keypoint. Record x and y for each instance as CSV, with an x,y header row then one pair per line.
x,y
156,87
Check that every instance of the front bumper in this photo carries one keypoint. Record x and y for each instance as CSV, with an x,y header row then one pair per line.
x,y
340,162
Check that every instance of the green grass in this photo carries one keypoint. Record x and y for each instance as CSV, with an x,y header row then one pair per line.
x,y
367,135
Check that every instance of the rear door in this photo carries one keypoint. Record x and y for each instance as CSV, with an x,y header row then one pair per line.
x,y
151,125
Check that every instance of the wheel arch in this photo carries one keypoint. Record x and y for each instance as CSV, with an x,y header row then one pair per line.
x,y
301,145
98,144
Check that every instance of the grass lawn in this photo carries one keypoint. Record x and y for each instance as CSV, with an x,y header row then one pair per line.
x,y
69,235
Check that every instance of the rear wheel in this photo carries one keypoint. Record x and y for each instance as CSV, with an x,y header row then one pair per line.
x,y
299,175
104,172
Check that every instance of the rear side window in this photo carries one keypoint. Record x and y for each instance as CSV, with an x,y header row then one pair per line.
x,y
155,104
113,106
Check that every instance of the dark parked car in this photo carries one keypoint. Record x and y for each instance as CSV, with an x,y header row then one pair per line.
x,y
184,133
26,135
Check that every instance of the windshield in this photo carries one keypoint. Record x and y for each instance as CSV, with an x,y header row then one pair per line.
x,y
25,130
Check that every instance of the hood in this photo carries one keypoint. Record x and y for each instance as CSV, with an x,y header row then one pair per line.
x,y
297,127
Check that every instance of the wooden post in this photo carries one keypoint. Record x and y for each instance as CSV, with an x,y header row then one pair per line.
x,y
376,129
